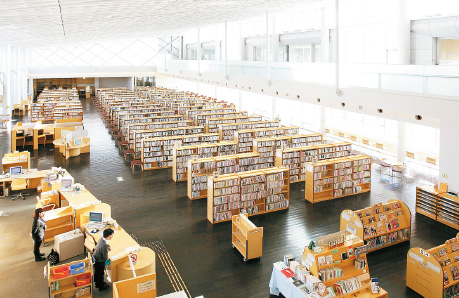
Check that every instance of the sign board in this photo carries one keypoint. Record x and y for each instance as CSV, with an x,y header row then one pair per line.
x,y
146,286
134,258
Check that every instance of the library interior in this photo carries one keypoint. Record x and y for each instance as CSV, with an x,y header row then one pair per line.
x,y
179,149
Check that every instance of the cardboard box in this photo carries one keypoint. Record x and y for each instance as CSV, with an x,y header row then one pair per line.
x,y
69,244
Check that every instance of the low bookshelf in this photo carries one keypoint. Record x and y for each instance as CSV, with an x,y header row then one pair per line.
x,y
246,237
380,225
336,178
438,205
334,265
434,272
73,279
252,192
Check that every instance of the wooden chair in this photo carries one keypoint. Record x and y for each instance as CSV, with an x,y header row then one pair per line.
x,y
128,152
134,163
42,136
19,184
122,144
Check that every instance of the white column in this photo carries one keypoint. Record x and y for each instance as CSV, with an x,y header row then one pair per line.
x,y
226,50
275,40
7,80
268,71
96,83
323,119
402,138
273,107
198,50
449,145
404,33
324,38
31,91
24,75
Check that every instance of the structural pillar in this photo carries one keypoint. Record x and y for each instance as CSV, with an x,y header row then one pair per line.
x,y
273,107
323,119
404,34
402,144
7,80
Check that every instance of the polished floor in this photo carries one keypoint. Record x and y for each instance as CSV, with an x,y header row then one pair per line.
x,y
152,207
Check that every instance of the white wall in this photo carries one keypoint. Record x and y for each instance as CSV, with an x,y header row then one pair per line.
x,y
116,82
449,145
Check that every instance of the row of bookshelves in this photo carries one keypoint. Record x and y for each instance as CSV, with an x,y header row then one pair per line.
x,y
227,131
222,165
250,192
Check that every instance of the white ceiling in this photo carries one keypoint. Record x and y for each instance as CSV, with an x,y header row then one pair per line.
x,y
36,23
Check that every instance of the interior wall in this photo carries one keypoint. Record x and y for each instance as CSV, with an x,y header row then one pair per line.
x,y
116,82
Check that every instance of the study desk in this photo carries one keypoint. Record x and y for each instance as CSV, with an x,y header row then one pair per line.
x,y
20,159
80,201
120,244
69,149
22,140
34,180
47,136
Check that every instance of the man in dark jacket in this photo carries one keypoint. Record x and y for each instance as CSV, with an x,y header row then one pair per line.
x,y
101,256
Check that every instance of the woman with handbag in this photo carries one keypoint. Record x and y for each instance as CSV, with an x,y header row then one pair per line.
x,y
38,233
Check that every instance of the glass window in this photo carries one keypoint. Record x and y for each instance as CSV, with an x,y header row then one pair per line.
x,y
449,51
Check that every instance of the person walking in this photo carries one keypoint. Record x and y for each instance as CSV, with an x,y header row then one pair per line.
x,y
101,256
38,233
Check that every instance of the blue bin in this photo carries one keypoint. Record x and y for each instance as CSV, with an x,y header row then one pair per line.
x,y
76,268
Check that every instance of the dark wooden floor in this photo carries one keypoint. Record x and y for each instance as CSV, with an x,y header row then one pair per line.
x,y
151,206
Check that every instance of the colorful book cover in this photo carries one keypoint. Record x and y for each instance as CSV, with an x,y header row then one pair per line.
x,y
372,219
454,246
387,208
380,227
329,259
442,251
382,216
445,278
321,261
447,261
396,205
288,273
388,226
395,224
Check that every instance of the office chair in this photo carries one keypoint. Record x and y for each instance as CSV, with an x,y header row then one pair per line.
x,y
19,184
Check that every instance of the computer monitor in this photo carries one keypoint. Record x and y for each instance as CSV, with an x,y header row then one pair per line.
x,y
66,182
15,170
77,142
95,216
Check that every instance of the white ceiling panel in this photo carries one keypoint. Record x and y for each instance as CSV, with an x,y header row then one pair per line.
x,y
38,23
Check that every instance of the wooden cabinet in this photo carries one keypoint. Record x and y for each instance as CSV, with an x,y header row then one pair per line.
x,y
246,237
58,221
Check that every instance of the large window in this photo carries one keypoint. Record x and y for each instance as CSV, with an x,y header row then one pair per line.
x,y
449,51
423,138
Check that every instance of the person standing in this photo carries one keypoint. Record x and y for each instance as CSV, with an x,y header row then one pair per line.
x,y
38,233
101,256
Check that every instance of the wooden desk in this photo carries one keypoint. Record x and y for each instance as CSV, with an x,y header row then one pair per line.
x,y
81,202
72,150
21,159
19,108
105,208
21,140
34,180
48,134
120,267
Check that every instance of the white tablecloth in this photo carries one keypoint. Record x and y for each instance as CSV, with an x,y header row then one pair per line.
x,y
279,283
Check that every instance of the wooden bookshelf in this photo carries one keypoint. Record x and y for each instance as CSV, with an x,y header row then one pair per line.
x,y
206,149
267,150
252,192
336,178
67,285
297,158
342,263
434,272
246,237
245,138
438,205
227,131
380,225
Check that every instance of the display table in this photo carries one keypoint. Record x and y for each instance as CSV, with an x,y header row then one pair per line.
x,y
279,283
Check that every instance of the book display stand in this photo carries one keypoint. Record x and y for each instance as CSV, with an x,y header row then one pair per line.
x,y
380,225
434,272
438,205
339,267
